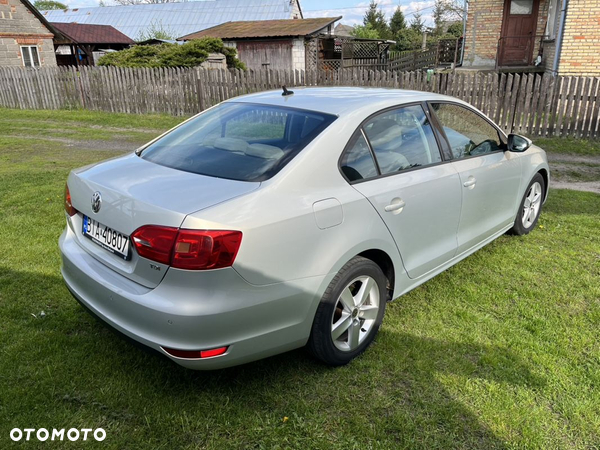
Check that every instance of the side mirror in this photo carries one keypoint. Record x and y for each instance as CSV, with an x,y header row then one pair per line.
x,y
518,143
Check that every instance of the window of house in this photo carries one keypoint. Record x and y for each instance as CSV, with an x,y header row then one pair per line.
x,y
468,133
30,56
402,139
521,7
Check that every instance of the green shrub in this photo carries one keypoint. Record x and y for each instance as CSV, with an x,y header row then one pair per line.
x,y
190,54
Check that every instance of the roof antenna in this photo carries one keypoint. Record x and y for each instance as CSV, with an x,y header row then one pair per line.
x,y
286,92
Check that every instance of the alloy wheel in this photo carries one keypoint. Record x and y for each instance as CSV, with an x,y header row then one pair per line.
x,y
531,205
355,313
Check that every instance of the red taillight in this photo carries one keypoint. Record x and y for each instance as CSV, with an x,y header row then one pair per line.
x,y
154,242
196,354
68,205
187,249
206,249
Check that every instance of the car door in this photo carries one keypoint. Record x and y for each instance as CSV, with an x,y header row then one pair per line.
x,y
490,177
395,162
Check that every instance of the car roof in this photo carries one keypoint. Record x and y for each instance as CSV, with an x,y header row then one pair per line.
x,y
341,100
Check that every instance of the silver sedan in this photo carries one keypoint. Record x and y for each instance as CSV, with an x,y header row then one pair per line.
x,y
271,222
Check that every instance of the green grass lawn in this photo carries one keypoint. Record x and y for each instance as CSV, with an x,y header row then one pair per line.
x,y
570,146
501,351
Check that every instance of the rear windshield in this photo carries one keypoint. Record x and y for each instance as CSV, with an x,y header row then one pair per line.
x,y
238,141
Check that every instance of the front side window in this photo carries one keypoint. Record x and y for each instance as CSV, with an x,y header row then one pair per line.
x,y
402,139
468,133
238,141
30,56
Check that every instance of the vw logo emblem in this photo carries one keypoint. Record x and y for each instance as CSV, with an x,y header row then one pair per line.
x,y
96,201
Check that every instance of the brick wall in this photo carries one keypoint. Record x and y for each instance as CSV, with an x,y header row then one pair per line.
x,y
550,41
484,27
541,29
580,53
18,26
484,23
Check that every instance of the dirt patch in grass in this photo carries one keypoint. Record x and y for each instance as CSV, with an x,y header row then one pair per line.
x,y
575,172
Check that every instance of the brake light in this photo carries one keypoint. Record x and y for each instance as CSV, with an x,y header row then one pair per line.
x,y
154,242
187,249
206,249
68,205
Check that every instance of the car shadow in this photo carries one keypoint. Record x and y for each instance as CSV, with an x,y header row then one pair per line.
x,y
416,405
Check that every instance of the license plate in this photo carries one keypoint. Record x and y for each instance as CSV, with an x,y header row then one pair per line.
x,y
106,237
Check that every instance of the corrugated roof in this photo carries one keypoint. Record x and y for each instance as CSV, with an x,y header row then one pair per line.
x,y
92,34
177,19
264,28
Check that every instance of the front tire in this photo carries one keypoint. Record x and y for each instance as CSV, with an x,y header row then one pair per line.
x,y
350,313
530,207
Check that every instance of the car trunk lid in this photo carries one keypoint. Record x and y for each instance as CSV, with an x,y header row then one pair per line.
x,y
135,192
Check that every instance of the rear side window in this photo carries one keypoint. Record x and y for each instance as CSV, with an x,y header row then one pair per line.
x,y
468,133
238,141
357,161
402,139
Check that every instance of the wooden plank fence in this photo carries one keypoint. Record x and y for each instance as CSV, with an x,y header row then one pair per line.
x,y
530,104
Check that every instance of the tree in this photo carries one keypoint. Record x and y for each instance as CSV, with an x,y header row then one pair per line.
x,y
365,32
156,30
406,38
439,17
44,5
376,18
456,29
190,54
417,23
444,12
397,22
455,10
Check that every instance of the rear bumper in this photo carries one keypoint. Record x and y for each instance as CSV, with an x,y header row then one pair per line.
x,y
195,310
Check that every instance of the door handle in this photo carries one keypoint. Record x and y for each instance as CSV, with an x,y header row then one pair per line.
x,y
470,182
396,206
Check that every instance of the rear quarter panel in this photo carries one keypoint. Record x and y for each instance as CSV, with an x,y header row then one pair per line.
x,y
281,238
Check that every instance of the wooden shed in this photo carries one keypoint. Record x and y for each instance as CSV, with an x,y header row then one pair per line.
x,y
80,44
273,44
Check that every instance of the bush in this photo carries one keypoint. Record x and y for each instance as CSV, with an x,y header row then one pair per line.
x,y
190,54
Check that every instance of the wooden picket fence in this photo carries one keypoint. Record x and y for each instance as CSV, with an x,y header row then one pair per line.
x,y
530,104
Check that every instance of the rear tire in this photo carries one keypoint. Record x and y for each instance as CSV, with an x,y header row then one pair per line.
x,y
350,313
530,207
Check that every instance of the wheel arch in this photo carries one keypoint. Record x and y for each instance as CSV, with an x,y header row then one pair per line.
x,y
546,176
383,260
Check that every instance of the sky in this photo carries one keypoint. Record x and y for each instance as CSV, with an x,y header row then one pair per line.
x,y
351,10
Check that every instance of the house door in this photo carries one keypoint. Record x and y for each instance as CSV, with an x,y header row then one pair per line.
x,y
518,32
